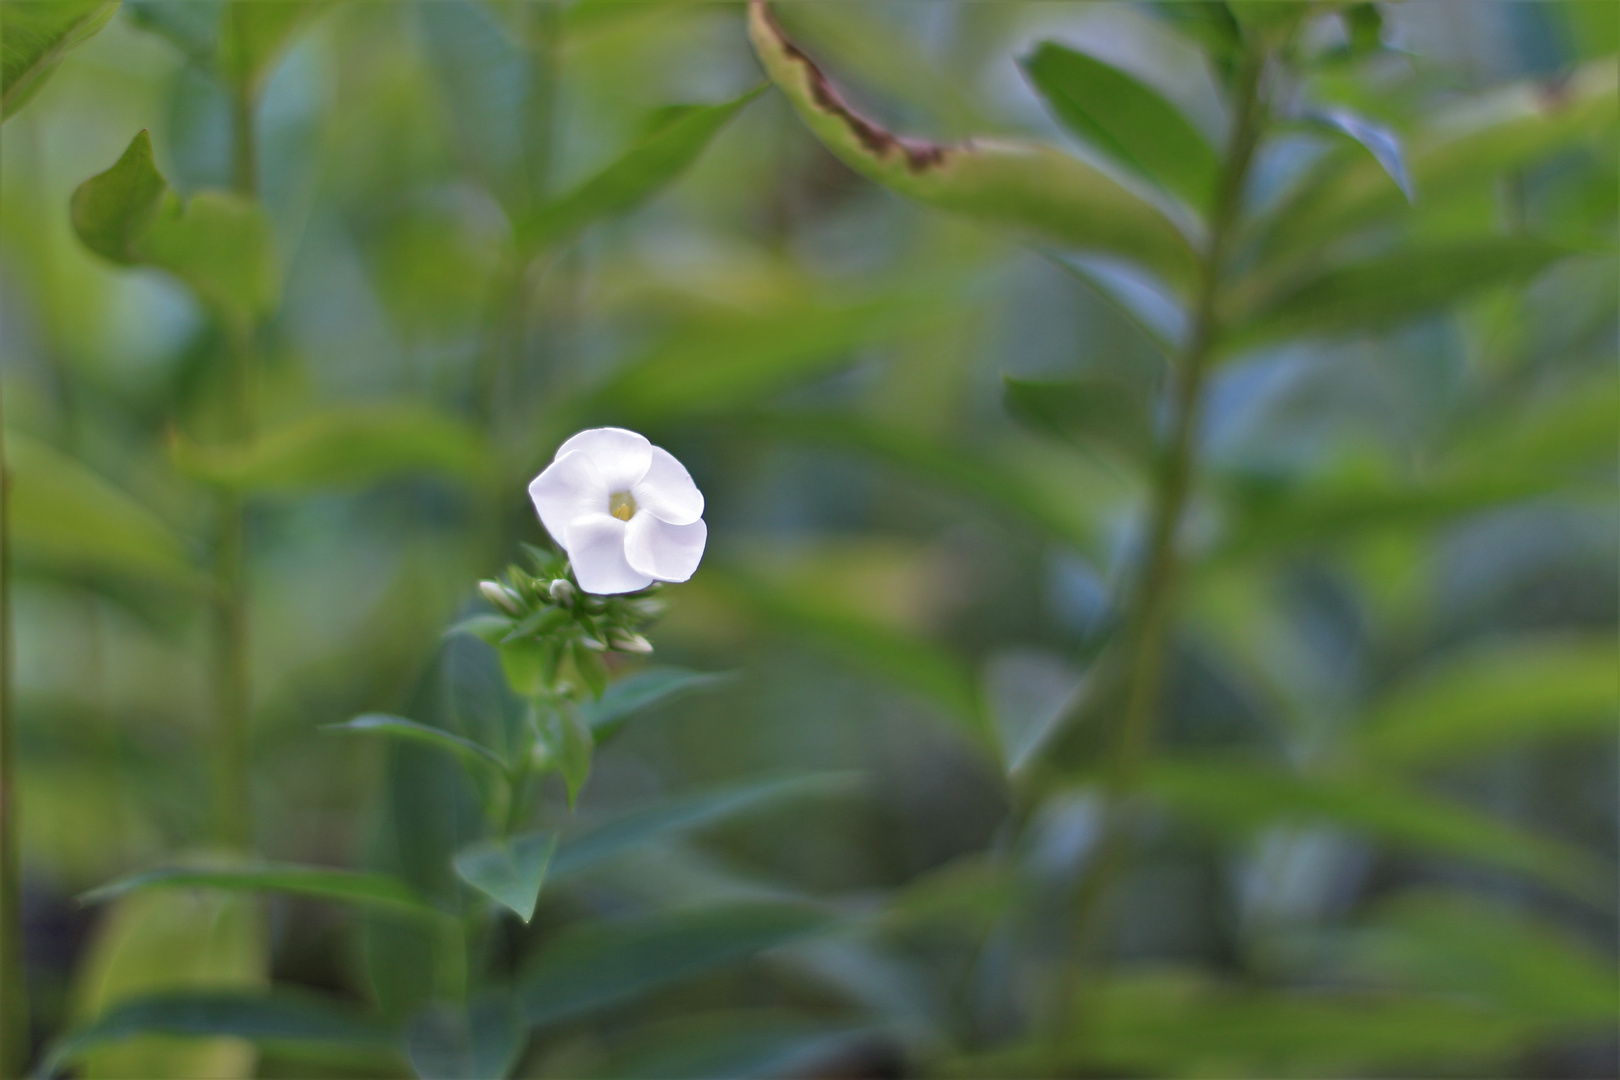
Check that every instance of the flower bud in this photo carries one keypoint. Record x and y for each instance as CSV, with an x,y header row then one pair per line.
x,y
562,591
592,644
625,641
500,596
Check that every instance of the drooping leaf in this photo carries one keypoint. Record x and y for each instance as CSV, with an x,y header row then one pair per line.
x,y
1495,696
171,942
34,37
575,749
342,448
667,151
1467,148
1378,293
219,244
1380,141
1244,796
510,871
280,1016
477,1042
1125,119
1086,412
599,965
66,518
400,728
644,689
1028,694
321,882
1033,190
683,813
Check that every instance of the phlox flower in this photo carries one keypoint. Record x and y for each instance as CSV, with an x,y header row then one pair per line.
x,y
626,512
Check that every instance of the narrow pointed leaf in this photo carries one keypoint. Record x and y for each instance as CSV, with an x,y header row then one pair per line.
x,y
1381,142
1379,293
1246,796
1086,412
253,37
596,966
66,518
1029,189
34,37
667,151
509,872
1494,697
644,689
1125,119
282,1016
683,813
400,728
342,448
319,882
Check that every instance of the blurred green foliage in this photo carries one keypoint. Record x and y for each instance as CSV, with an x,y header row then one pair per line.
x,y
1010,343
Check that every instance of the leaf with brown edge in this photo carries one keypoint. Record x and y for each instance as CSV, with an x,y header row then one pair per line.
x,y
1027,188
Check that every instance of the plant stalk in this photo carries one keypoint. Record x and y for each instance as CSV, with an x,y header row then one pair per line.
x,y
232,825
13,976
1148,632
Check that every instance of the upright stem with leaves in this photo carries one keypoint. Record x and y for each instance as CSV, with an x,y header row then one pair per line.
x,y
1152,604
13,984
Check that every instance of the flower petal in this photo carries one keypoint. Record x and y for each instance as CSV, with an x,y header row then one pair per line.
x,y
570,488
595,545
667,491
621,456
667,552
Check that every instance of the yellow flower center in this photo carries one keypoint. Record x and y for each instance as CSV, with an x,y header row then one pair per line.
x,y
622,505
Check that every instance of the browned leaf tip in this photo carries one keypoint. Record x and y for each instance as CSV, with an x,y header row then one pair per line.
x,y
919,155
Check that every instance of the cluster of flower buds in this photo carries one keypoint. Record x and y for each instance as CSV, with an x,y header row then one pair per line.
x,y
546,614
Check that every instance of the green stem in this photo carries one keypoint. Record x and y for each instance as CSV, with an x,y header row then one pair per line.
x,y
13,977
233,807
1147,634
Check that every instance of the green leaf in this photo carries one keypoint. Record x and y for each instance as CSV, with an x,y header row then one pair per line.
x,y
664,154
281,1016
1245,796
1467,149
1464,947
172,942
400,728
1164,1025
909,661
975,474
575,750
490,629
643,690
34,37
343,448
219,244
484,1039
1033,190
715,365
325,883
1381,142
1378,293
595,966
748,1044
1130,122
509,872
254,35
68,519
1494,696
1086,411
684,813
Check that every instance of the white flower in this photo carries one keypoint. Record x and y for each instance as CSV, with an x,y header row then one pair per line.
x,y
625,510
